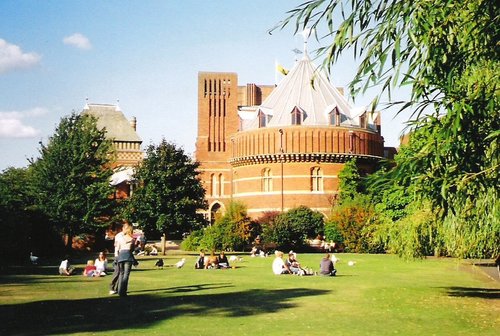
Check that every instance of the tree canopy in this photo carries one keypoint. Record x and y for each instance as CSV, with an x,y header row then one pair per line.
x,y
447,52
169,192
71,176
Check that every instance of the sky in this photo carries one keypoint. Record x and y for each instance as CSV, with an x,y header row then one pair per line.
x,y
144,56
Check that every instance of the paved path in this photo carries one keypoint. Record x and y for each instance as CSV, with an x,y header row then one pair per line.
x,y
491,271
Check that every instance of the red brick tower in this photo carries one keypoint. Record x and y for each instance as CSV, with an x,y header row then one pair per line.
x,y
218,121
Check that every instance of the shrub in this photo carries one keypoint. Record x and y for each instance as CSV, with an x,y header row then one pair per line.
x,y
332,232
192,242
291,229
350,218
413,236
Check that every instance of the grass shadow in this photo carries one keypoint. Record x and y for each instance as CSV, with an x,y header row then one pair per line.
x,y
50,317
484,293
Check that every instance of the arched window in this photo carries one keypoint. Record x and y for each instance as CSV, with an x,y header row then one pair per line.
x,y
215,212
213,182
221,185
316,179
296,116
267,180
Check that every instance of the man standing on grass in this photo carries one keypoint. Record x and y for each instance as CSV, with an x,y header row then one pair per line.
x,y
114,280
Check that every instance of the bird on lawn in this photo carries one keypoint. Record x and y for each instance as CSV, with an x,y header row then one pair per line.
x,y
180,263
234,258
33,259
159,263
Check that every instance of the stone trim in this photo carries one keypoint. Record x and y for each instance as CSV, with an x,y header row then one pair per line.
x,y
300,157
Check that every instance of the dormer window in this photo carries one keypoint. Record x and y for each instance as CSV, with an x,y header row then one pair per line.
x,y
296,116
334,117
262,119
362,120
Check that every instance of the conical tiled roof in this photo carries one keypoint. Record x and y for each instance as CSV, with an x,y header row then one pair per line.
x,y
307,89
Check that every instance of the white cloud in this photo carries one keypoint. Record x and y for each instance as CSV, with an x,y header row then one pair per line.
x,y
12,57
78,40
12,125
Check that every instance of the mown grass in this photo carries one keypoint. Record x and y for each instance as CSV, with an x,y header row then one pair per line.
x,y
380,295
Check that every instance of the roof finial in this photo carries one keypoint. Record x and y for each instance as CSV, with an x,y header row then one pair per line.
x,y
86,107
306,33
297,52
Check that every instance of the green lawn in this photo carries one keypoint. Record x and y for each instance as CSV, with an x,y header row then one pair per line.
x,y
379,295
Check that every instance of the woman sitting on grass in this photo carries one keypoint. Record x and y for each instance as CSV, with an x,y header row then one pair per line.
x,y
279,266
101,263
294,265
222,261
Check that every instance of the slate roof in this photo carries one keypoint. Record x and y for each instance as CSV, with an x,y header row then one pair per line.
x,y
308,89
112,119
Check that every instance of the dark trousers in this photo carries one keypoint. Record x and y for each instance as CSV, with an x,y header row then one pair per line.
x,y
114,279
124,268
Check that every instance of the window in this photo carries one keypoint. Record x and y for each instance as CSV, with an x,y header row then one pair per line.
x,y
221,185
213,185
296,116
362,120
316,179
262,119
267,180
334,117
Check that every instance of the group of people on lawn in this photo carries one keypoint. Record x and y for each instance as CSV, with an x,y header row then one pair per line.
x,y
124,260
292,266
94,268
212,261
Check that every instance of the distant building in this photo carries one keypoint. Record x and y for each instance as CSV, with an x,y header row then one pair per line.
x,y
274,148
126,142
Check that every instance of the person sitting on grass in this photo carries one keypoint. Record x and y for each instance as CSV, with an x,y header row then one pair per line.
x,y
222,261
212,261
293,264
101,263
65,267
326,266
90,270
279,266
200,262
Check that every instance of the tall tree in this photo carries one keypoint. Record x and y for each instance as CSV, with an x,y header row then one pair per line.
x,y
448,53
15,202
71,177
349,180
169,192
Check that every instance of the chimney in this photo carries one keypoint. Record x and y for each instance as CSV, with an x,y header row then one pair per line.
x,y
133,123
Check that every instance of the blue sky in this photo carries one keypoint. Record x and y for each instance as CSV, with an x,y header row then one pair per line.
x,y
147,54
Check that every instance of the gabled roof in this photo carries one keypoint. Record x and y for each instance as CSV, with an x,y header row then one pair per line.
x,y
307,88
112,119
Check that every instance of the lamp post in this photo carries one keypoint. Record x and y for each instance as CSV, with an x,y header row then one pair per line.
x,y
232,168
281,163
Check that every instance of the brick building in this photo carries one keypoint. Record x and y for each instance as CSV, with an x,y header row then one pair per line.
x,y
126,143
274,148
